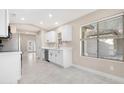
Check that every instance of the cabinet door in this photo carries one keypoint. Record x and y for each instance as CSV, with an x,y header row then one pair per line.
x,y
51,37
67,33
47,37
59,58
43,53
53,56
3,23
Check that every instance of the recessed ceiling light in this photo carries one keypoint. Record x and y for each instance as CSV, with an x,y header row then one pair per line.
x,y
22,18
56,23
41,22
50,15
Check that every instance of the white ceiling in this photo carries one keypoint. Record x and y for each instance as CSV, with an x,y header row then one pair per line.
x,y
33,17
27,27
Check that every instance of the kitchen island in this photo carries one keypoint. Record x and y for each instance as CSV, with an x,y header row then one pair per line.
x,y
10,67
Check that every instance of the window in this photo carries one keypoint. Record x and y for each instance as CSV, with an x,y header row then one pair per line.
x,y
111,27
111,48
111,38
104,39
90,40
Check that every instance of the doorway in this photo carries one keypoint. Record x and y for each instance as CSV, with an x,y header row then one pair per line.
x,y
28,43
28,48
31,47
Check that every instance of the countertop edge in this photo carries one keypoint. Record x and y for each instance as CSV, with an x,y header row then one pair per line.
x,y
10,53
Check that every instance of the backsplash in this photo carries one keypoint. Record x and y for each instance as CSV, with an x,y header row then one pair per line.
x,y
64,44
10,44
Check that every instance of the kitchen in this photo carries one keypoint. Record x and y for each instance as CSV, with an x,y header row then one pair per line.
x,y
34,41
21,39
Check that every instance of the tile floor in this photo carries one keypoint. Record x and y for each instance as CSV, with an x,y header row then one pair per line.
x,y
41,72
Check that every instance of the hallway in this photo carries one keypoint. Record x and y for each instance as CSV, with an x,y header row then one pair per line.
x,y
37,72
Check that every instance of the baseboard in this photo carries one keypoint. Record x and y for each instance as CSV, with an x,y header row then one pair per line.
x,y
110,76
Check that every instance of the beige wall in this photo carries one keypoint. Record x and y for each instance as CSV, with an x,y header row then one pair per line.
x,y
94,63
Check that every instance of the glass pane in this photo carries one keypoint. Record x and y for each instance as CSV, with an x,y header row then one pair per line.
x,y
111,27
89,31
90,47
82,48
111,48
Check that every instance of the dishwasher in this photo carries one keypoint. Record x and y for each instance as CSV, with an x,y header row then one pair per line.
x,y
46,55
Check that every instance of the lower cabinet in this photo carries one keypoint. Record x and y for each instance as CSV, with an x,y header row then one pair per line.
x,y
42,54
59,57
62,57
51,56
10,67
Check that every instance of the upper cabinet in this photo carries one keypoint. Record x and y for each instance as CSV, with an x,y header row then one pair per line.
x,y
3,23
51,37
66,33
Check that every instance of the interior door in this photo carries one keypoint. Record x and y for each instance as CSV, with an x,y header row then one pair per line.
x,y
31,46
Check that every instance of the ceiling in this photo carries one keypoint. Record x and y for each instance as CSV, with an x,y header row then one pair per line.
x,y
35,19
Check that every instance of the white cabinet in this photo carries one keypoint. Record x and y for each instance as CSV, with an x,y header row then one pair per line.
x,y
51,37
59,57
66,33
42,54
10,67
62,57
51,56
3,23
